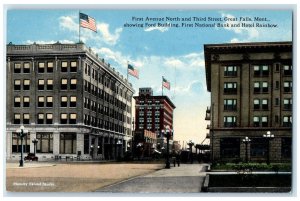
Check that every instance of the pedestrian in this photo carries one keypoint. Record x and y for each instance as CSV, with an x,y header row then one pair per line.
x,y
177,159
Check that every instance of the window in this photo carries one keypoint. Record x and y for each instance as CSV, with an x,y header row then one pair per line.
x,y
26,68
73,118
287,104
26,119
45,143
230,71
41,67
17,101
276,118
73,100
230,88
73,66
26,101
64,84
256,121
41,101
230,104
229,121
49,84
64,66
67,143
264,121
17,68
256,103
49,118
64,101
258,147
16,143
17,118
287,86
73,83
26,84
264,104
261,87
287,69
49,101
40,118
277,66
230,147
286,147
277,85
287,121
50,67
63,118
277,101
17,84
262,70
41,84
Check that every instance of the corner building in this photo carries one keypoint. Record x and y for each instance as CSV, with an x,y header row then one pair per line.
x,y
251,94
71,101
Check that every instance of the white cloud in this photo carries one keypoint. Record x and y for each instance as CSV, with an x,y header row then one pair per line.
x,y
108,37
191,61
68,22
161,29
187,89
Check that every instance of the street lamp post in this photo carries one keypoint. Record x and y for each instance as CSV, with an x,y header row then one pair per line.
x,y
268,136
246,141
21,133
34,141
191,144
119,143
167,133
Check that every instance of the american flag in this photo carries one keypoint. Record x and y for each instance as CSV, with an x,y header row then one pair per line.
x,y
166,83
87,22
132,71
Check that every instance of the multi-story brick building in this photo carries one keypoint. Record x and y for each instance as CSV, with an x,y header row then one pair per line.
x,y
68,99
251,95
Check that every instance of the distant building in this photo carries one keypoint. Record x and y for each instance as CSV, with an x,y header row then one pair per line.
x,y
71,101
144,143
251,95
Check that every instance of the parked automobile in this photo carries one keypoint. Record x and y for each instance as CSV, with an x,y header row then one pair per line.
x,y
31,157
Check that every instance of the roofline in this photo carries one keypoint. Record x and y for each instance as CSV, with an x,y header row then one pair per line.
x,y
166,97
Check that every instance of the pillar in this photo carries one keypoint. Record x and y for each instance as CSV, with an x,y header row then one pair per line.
x,y
102,147
56,143
32,136
95,148
8,145
80,143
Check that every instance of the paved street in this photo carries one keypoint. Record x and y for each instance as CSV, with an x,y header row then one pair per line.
x,y
188,178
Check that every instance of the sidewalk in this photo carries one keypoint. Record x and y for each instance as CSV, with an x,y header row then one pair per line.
x,y
188,178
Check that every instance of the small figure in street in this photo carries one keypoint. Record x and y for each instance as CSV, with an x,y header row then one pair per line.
x,y
177,159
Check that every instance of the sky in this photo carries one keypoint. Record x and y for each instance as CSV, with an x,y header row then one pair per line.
x,y
173,52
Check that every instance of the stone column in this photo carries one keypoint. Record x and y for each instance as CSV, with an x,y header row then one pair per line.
x,y
80,143
56,143
32,136
8,145
102,147
95,151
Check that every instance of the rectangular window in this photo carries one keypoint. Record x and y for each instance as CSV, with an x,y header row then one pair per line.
x,y
73,118
26,84
287,121
17,68
230,88
17,84
277,101
256,121
287,104
16,143
64,101
261,87
41,67
73,66
262,70
26,68
287,69
49,118
63,118
276,118
67,143
49,101
264,87
45,143
64,84
26,101
277,85
230,147
258,148
17,101
230,104
17,118
40,119
287,86
26,119
230,71
64,66
73,83
73,100
41,84
277,67
49,84
50,67
229,121
256,103
41,101
286,147
264,121
264,104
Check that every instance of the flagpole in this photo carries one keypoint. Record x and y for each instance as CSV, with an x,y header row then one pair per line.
x,y
162,86
127,70
79,26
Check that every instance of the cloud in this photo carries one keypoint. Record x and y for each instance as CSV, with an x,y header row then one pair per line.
x,y
161,29
106,36
189,88
191,61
